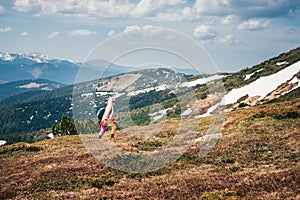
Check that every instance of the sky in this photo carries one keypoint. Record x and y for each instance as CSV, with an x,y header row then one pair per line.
x,y
234,34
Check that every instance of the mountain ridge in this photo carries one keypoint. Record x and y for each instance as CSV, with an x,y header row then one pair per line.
x,y
18,66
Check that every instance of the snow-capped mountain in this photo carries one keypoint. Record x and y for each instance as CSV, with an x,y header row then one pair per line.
x,y
15,67
36,57
14,58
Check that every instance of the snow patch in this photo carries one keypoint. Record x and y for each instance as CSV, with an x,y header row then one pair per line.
x,y
38,57
248,76
295,80
209,111
282,63
157,88
6,57
46,89
201,81
87,95
2,142
31,85
50,135
47,116
261,87
187,112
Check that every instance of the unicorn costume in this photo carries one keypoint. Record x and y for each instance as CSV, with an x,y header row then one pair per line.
x,y
108,119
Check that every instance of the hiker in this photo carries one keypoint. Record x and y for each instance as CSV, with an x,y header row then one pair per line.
x,y
108,119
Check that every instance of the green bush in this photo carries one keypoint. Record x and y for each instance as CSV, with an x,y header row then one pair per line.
x,y
242,105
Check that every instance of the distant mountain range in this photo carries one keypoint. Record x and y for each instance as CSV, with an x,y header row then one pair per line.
x,y
16,67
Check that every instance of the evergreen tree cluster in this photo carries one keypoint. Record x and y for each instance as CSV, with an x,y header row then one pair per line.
x,y
65,127
33,116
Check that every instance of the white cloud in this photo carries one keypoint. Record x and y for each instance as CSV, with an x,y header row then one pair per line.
x,y
208,33
131,28
254,24
145,30
107,9
5,29
247,9
24,33
148,31
212,7
146,8
161,10
185,14
28,6
90,8
1,10
97,8
111,33
53,35
81,32
142,8
228,39
229,19
205,33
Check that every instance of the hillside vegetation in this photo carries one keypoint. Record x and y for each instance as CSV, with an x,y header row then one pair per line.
x,y
256,158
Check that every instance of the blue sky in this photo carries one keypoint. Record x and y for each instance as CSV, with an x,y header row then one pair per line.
x,y
236,34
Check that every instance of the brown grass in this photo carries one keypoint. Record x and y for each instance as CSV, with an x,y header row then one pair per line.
x,y
257,158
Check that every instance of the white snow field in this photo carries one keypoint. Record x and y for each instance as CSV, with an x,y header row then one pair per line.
x,y
262,86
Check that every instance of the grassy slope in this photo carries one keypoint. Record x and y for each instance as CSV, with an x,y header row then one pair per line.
x,y
257,158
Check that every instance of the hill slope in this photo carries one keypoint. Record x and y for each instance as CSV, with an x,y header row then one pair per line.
x,y
17,87
257,158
